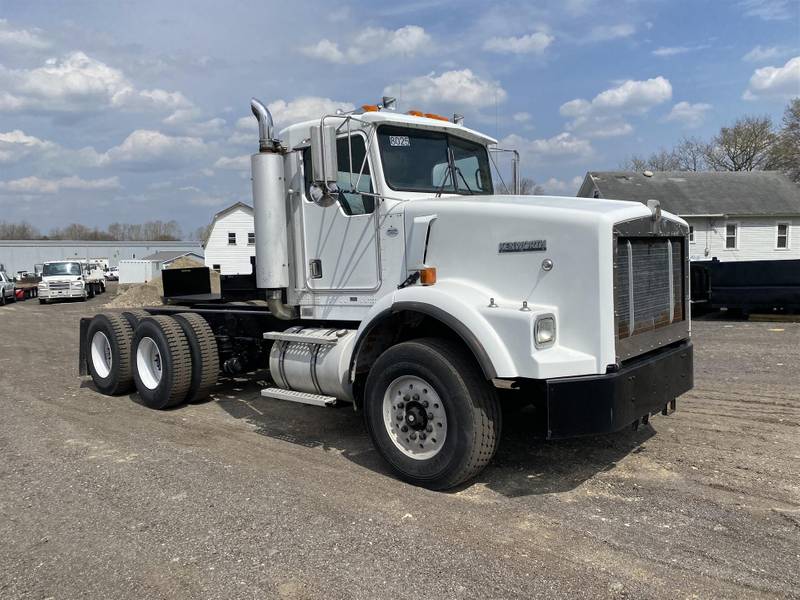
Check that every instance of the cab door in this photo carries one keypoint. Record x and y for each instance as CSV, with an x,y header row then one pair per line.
x,y
340,241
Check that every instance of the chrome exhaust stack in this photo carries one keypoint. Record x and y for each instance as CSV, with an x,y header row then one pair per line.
x,y
269,214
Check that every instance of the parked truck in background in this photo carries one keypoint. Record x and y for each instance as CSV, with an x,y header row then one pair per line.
x,y
390,274
7,289
64,279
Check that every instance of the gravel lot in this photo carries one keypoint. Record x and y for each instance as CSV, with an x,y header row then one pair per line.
x,y
243,497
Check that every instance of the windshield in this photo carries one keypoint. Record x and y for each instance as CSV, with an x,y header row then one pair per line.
x,y
65,268
417,160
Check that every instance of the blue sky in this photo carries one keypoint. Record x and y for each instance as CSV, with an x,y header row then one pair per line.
x,y
130,111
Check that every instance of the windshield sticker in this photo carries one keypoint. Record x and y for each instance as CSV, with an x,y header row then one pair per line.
x,y
399,140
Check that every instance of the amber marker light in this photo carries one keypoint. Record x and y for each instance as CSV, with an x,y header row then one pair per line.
x,y
427,275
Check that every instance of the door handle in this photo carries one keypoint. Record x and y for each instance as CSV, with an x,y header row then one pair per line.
x,y
315,268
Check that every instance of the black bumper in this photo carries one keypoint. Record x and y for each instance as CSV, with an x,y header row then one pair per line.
x,y
587,405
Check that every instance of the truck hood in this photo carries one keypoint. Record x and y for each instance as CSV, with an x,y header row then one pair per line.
x,y
497,247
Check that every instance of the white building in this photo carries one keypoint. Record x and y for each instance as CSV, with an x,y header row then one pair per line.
x,y
231,241
732,216
19,255
149,267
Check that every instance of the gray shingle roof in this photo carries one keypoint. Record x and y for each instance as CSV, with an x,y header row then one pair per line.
x,y
167,255
740,193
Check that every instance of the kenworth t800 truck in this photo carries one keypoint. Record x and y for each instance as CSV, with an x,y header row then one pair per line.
x,y
390,274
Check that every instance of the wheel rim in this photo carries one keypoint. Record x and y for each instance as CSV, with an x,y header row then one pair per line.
x,y
148,363
414,417
101,354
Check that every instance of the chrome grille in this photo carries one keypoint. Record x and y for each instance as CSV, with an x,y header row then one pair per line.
x,y
648,284
59,285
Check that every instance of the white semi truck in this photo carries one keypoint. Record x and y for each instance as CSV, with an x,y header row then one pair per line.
x,y
392,276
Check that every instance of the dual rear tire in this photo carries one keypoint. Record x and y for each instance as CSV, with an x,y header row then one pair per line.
x,y
168,360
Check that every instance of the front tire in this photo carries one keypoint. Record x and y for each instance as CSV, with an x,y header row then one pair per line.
x,y
431,414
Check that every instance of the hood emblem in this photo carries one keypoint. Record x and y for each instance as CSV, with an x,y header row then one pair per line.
x,y
524,246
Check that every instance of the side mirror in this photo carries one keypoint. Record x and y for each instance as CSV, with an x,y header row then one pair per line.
x,y
324,165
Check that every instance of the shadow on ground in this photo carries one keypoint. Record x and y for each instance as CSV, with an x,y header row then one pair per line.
x,y
524,465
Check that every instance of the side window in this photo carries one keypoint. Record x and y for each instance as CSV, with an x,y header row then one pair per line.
x,y
691,233
731,232
251,239
351,203
783,236
231,239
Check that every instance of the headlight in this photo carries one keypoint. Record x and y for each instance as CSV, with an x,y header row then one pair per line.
x,y
77,283
42,284
544,331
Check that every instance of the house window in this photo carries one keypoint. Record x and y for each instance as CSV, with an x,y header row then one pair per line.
x,y
691,234
783,236
216,268
231,239
251,239
731,232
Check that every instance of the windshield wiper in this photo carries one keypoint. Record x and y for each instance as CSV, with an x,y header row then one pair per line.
x,y
451,168
469,189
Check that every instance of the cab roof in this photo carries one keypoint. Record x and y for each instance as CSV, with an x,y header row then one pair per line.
x,y
300,132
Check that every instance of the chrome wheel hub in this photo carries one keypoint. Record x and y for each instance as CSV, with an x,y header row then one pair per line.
x,y
414,417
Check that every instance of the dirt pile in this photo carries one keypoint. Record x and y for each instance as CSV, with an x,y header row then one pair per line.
x,y
147,294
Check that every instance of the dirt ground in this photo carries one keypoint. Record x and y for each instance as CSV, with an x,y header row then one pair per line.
x,y
244,497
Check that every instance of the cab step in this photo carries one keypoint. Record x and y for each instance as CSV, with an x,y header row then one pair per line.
x,y
301,397
282,336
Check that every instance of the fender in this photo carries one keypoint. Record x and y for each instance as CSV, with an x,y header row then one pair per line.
x,y
455,305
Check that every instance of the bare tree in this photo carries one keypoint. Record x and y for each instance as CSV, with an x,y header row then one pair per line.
x,y
690,155
18,231
529,187
745,146
786,150
201,233
663,160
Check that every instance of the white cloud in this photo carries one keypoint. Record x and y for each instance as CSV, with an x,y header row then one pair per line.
x,y
38,185
602,116
77,82
561,146
533,43
666,51
461,88
522,117
561,187
604,33
775,82
16,145
763,53
770,10
234,163
146,149
689,115
21,39
371,44
294,111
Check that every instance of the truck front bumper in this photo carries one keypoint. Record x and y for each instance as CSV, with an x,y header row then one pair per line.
x,y
596,404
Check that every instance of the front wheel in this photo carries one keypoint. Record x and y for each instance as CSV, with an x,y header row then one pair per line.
x,y
431,414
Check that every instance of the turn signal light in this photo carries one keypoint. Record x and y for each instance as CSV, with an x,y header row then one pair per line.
x,y
370,108
437,117
415,113
427,276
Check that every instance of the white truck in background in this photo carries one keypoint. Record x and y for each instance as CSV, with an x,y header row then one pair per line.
x,y
70,279
389,274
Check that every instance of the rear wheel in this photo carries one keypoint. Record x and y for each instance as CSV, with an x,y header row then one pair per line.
x,y
430,413
108,353
134,316
162,362
205,357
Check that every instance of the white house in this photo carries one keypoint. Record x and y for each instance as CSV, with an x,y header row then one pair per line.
x,y
231,240
149,267
732,216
